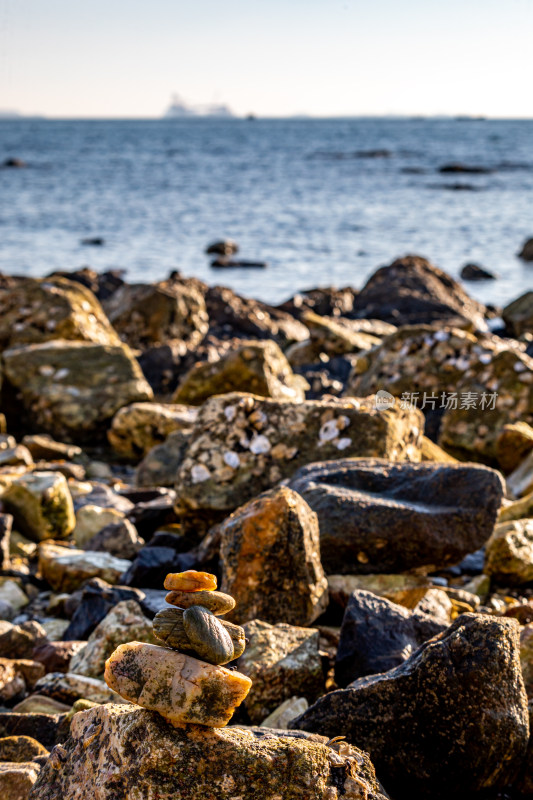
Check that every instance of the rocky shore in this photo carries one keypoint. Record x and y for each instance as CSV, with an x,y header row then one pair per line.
x,y
253,552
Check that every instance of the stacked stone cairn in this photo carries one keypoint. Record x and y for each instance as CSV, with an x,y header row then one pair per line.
x,y
184,680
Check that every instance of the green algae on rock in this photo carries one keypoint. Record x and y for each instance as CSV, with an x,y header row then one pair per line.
x,y
141,755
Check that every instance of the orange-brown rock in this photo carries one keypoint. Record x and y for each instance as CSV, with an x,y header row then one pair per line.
x,y
190,581
270,560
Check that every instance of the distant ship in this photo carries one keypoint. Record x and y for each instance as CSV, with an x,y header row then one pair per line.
x,y
179,109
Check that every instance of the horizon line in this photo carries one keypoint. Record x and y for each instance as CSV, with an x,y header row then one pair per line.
x,y
13,116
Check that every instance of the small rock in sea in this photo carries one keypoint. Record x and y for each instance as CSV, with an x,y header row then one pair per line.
x,y
14,163
223,247
224,262
93,241
190,581
465,168
526,252
473,272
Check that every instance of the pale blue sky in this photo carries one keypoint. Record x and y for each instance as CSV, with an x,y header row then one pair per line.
x,y
124,58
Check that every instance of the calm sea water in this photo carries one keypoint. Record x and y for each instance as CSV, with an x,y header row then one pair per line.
x,y
302,195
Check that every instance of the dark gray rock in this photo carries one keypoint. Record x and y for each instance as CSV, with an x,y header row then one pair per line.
x,y
151,566
379,516
473,272
97,600
378,635
120,539
449,722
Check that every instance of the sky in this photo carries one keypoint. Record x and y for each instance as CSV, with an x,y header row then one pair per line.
x,y
125,58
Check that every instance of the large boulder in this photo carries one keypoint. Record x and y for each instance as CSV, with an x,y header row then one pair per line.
x,y
378,635
141,755
488,399
451,721
282,661
270,560
243,444
147,314
37,310
68,402
136,429
376,516
256,367
411,291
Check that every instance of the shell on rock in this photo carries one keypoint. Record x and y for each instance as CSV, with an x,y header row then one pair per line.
x,y
190,581
216,602
209,638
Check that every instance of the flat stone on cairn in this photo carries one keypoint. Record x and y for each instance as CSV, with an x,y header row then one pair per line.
x,y
166,679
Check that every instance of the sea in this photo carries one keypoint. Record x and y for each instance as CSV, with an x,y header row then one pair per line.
x,y
324,202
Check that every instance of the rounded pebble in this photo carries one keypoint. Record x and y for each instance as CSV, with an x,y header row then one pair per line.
x,y
207,635
190,581
216,602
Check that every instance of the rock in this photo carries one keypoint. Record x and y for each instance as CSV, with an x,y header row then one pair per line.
x,y
90,520
333,337
524,785
148,314
17,676
518,315
55,628
38,704
69,687
422,361
270,560
432,452
375,516
256,367
169,628
223,262
526,253
513,444
520,481
12,595
151,564
499,394
455,167
137,428
190,581
233,316
437,604
119,539
96,601
378,635
44,448
451,720
326,302
19,641
16,456
101,284
526,657
41,505
48,729
284,713
198,763
208,636
509,553
93,241
473,272
392,587
6,524
160,466
17,780
243,444
216,602
411,291
182,689
281,661
224,247
65,401
123,623
35,310
20,748
56,656
91,493
14,163
66,569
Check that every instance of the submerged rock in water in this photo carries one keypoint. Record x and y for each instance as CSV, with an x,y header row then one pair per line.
x,y
256,367
181,688
270,560
142,755
378,635
243,444
375,516
451,721
68,402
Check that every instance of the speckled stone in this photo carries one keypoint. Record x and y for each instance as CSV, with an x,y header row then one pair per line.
x,y
168,627
216,602
206,634
190,581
